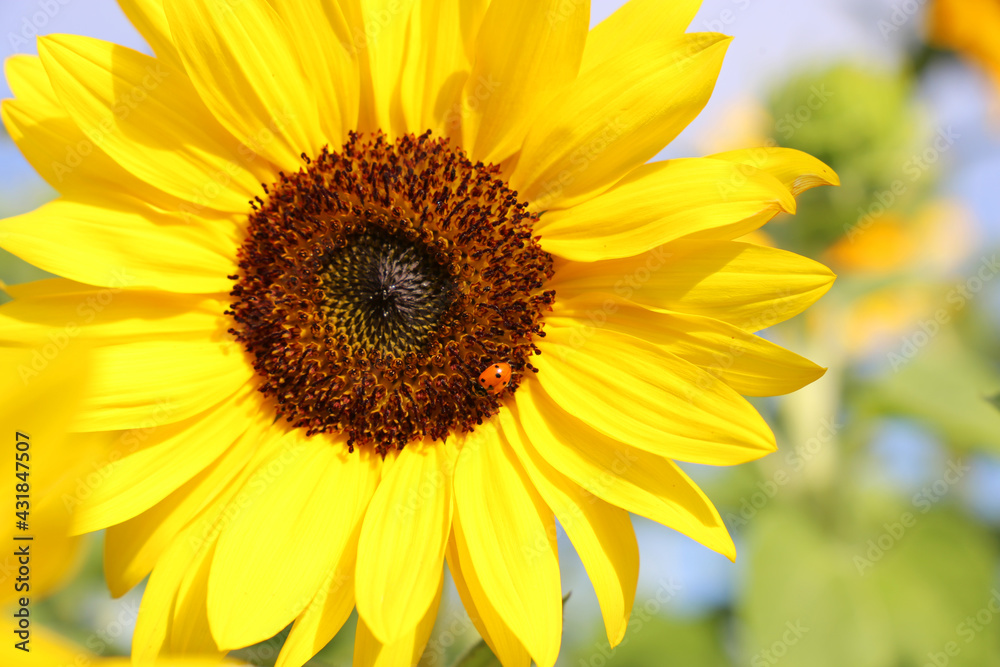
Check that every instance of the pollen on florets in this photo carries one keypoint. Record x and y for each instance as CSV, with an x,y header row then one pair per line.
x,y
376,284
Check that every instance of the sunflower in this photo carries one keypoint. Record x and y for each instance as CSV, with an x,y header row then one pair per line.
x,y
372,286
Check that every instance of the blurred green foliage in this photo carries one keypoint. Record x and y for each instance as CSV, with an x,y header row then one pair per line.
x,y
864,124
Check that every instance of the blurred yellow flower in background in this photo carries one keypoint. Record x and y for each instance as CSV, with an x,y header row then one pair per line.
x,y
970,27
897,256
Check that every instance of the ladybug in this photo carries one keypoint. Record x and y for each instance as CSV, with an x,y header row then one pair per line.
x,y
495,378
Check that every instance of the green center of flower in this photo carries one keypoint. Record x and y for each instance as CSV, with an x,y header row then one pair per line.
x,y
378,282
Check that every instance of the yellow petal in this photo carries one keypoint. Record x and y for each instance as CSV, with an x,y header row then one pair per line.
x,y
326,614
63,310
354,39
149,119
141,384
149,19
615,118
68,159
48,462
750,286
114,246
189,633
173,454
635,480
509,534
188,550
406,649
28,80
274,555
242,61
797,170
641,395
483,614
153,626
549,36
132,548
749,364
601,533
386,27
637,22
330,68
660,202
437,65
409,514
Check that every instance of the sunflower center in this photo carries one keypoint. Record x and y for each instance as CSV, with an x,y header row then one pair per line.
x,y
385,293
378,282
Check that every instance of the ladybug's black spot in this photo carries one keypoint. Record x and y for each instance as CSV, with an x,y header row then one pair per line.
x,y
378,280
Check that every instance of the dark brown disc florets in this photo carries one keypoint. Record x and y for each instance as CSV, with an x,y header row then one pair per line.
x,y
379,281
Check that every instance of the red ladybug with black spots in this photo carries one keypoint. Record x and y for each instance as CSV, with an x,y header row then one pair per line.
x,y
495,378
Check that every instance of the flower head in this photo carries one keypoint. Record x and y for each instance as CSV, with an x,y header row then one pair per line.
x,y
297,237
